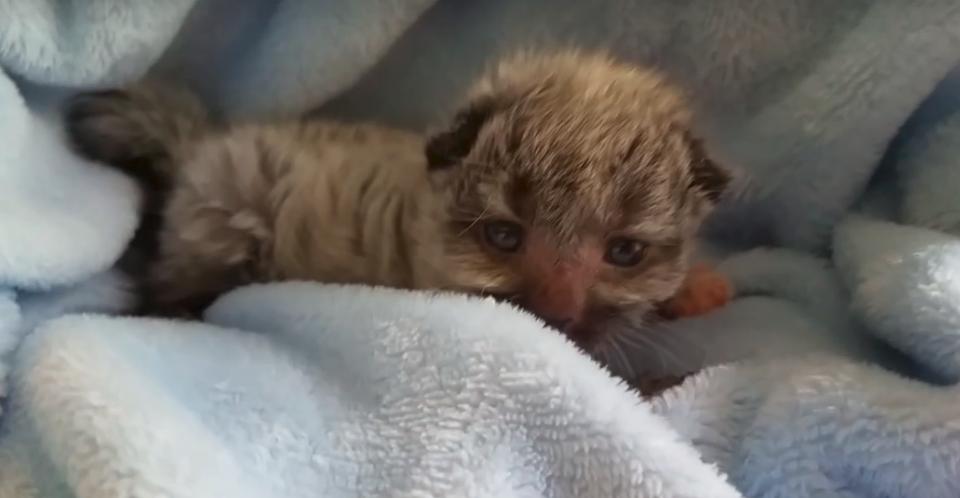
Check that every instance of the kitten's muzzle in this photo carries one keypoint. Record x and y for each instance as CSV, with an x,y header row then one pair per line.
x,y
557,321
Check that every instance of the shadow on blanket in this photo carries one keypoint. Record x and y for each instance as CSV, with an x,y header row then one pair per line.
x,y
297,388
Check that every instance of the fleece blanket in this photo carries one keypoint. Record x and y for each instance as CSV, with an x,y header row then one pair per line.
x,y
832,374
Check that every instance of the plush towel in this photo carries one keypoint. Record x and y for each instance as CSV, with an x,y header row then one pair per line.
x,y
841,241
336,392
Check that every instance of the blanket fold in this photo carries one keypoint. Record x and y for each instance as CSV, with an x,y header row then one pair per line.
x,y
845,256
379,395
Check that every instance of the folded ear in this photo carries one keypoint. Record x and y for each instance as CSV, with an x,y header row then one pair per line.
x,y
709,178
449,147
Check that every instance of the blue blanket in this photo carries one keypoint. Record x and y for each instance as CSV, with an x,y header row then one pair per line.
x,y
832,373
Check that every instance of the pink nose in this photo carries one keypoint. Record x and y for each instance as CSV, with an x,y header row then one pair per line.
x,y
558,280
559,299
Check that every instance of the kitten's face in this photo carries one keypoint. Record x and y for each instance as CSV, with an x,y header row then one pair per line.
x,y
574,189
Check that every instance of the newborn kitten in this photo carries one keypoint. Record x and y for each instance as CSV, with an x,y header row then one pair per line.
x,y
568,183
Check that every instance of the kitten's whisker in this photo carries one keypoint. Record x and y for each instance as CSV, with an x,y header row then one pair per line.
x,y
674,342
474,222
626,364
600,348
685,345
647,342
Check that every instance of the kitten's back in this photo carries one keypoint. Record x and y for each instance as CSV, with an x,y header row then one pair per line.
x,y
298,199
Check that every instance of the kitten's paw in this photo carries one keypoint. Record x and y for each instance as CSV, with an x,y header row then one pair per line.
x,y
99,125
703,291
132,126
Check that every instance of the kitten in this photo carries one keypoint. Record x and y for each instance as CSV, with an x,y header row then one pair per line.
x,y
568,183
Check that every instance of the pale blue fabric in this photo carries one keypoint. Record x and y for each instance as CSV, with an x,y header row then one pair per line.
x,y
300,390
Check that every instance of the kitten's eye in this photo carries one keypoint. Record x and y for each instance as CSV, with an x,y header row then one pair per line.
x,y
625,252
506,236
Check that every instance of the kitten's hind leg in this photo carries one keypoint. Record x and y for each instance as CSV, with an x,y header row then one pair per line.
x,y
146,129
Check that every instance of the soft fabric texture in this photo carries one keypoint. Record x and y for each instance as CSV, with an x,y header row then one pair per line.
x,y
340,392
842,241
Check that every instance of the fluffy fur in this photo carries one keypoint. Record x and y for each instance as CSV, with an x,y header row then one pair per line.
x,y
577,152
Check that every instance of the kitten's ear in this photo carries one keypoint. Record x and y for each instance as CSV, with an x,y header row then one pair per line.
x,y
709,178
449,147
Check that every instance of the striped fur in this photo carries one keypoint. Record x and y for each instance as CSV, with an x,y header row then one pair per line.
x,y
576,148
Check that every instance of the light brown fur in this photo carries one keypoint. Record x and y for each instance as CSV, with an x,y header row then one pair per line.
x,y
576,149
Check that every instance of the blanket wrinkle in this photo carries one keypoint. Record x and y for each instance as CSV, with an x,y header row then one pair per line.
x,y
831,374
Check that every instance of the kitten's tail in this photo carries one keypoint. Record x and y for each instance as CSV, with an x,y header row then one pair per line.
x,y
146,129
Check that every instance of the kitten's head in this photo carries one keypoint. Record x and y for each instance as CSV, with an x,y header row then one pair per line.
x,y
573,187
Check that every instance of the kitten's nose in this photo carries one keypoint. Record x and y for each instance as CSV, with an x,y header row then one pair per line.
x,y
558,300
